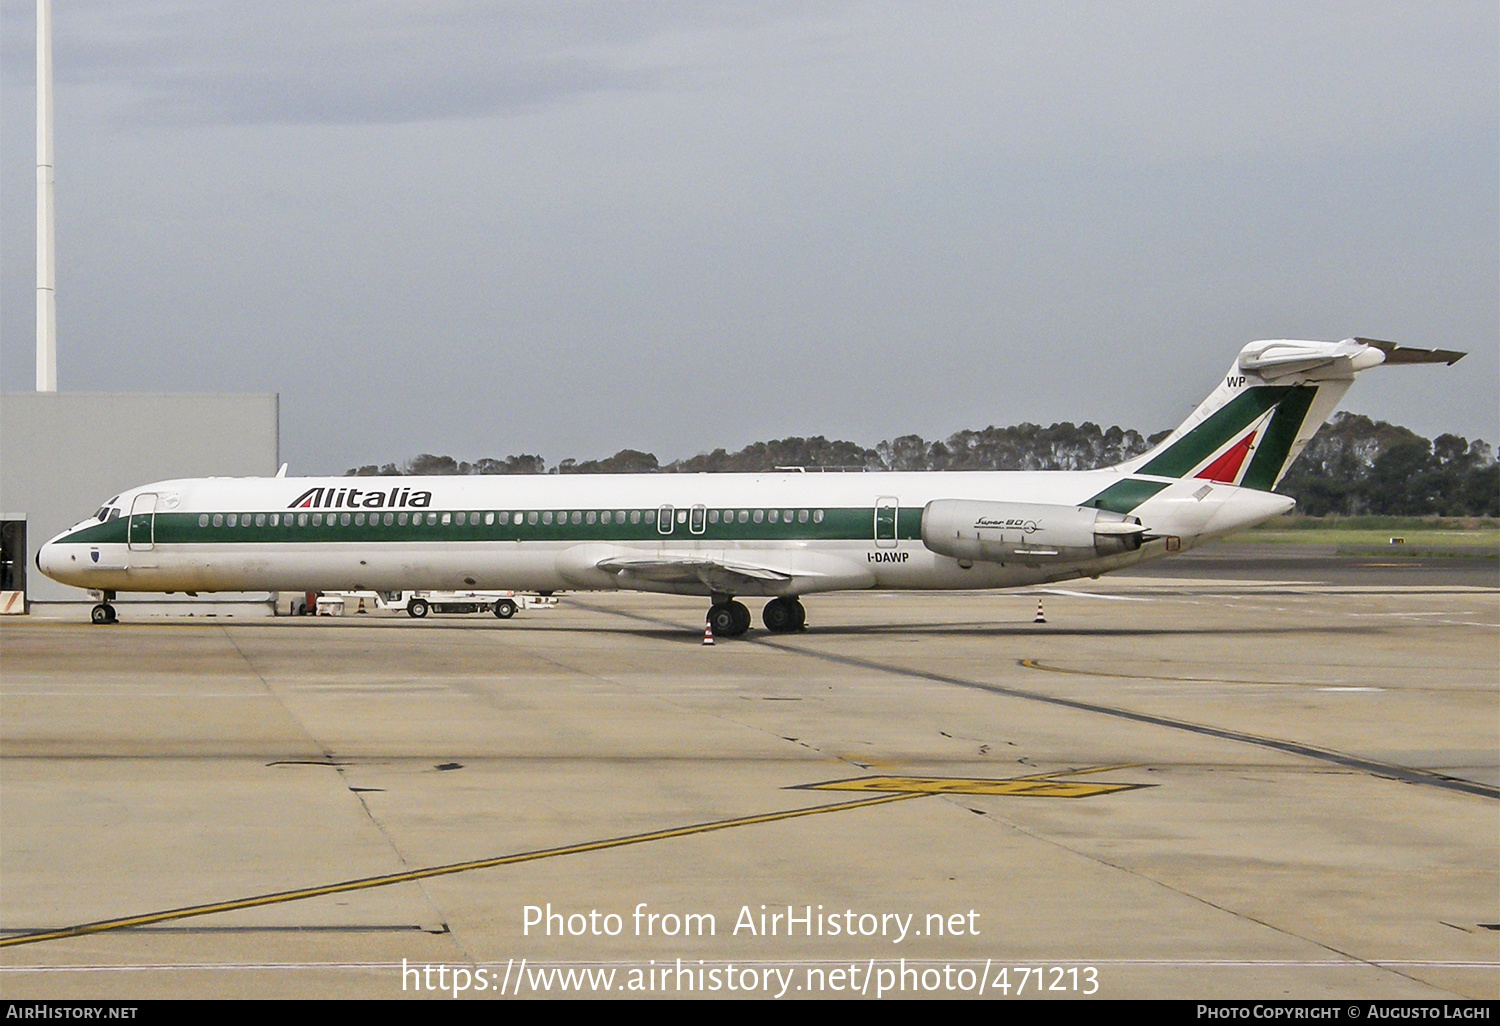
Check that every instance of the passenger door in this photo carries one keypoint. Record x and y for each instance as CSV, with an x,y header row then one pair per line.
x,y
886,509
140,532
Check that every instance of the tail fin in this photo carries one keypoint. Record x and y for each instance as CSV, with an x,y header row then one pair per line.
x,y
1265,411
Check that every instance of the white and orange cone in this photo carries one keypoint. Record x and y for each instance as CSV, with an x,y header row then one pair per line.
x,y
708,634
1041,617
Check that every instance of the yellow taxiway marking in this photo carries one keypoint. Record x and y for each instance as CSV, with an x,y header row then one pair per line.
x,y
1040,785
889,788
365,883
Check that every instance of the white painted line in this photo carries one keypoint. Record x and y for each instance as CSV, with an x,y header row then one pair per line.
x,y
1093,595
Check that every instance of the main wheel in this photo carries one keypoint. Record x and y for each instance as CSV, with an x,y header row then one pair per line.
x,y
800,612
505,609
741,617
729,619
780,615
721,620
102,613
416,608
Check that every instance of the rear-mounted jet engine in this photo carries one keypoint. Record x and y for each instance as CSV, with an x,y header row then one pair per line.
x,y
1003,532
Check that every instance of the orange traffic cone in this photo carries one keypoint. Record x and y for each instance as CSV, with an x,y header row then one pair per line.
x,y
1040,616
708,634
361,608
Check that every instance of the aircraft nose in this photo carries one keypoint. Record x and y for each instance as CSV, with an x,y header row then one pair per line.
x,y
48,557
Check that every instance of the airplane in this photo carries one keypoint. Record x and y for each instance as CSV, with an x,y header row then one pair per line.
x,y
780,535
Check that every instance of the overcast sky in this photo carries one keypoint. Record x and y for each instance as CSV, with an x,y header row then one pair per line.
x,y
568,228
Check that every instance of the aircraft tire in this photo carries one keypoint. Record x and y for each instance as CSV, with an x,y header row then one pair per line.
x,y
741,618
102,613
799,612
505,609
416,608
728,619
780,615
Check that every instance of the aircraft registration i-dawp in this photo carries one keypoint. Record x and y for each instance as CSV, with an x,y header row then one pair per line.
x,y
780,535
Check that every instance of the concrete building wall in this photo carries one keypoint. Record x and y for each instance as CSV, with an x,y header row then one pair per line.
x,y
63,454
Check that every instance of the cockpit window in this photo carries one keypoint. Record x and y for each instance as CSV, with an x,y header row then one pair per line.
x,y
114,514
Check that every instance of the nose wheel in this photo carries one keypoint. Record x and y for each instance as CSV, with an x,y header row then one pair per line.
x,y
103,613
728,619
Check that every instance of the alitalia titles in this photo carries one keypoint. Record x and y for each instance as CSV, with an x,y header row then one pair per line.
x,y
350,498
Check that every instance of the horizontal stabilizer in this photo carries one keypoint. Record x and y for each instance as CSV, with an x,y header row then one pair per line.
x,y
1406,354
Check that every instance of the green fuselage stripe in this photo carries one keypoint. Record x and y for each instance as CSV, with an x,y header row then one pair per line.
x,y
850,524
1124,496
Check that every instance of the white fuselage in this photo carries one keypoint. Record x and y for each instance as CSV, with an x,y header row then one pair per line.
x,y
765,534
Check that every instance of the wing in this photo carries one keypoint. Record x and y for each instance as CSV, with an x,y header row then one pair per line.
x,y
718,575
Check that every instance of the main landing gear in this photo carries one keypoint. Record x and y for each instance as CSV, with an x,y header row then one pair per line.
x,y
729,619
783,615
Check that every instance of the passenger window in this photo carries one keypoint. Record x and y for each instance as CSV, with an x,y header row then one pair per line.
x,y
619,516
359,520
775,515
219,520
591,517
605,517
387,519
817,516
317,519
547,517
577,517
786,516
744,516
489,518
682,516
260,520
713,516
758,516
447,519
275,519
301,519
802,516
463,519
203,520
344,519
232,520
635,516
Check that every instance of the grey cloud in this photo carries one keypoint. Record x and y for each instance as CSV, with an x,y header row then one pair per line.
x,y
341,62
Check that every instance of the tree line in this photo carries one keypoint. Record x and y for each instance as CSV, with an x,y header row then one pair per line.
x,y
1352,466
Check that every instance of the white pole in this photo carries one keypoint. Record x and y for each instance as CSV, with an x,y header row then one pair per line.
x,y
46,255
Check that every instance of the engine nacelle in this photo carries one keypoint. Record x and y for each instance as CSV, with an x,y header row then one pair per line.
x,y
1026,532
